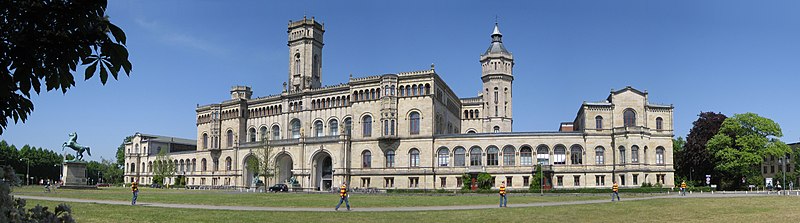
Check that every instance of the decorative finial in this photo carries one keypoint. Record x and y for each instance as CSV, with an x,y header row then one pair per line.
x,y
495,19
351,75
433,66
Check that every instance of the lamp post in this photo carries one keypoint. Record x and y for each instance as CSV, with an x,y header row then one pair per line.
x,y
28,172
783,166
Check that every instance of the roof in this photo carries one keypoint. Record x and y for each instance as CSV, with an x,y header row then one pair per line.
x,y
497,43
168,139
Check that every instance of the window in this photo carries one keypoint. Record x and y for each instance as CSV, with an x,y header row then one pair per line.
x,y
318,129
333,126
203,164
205,141
388,182
230,138
765,169
635,179
215,164
525,156
366,159
526,181
414,123
634,154
660,178
599,155
444,156
508,156
459,154
443,181
385,127
576,154
630,117
348,125
496,129
263,132
366,123
772,169
509,181
475,156
576,180
365,181
390,158
228,163
660,155
622,179
413,182
598,122
252,134
276,132
560,181
295,129
459,181
560,155
413,160
622,154
659,123
391,127
599,180
491,156
543,155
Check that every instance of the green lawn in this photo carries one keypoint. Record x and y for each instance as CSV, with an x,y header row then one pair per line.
x,y
749,209
213,197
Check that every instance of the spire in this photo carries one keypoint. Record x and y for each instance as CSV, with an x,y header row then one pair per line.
x,y
496,30
497,41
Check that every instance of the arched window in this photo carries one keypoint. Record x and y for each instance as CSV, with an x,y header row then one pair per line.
x,y
230,138
318,129
543,155
509,156
136,148
263,132
366,159
390,158
496,129
466,114
150,166
598,122
228,163
413,158
414,90
599,155
252,134
471,131
366,124
634,154
402,91
348,125
203,164
660,155
276,132
475,156
205,141
659,123
295,128
427,89
576,154
560,154
459,154
630,117
194,165
492,154
526,156
414,123
392,91
297,63
333,125
622,157
444,156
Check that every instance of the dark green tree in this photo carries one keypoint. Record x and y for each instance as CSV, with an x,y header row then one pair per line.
x,y
694,155
743,142
43,42
13,209
536,180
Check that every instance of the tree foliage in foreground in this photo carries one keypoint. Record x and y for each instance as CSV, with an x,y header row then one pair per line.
x,y
13,209
44,42
743,142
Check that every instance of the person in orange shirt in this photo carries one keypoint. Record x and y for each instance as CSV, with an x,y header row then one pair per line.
x,y
343,196
615,188
503,196
135,190
683,188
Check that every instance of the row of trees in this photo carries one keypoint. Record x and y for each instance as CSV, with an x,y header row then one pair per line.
x,y
46,164
730,149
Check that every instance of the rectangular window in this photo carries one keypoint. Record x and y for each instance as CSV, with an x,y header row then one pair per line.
x,y
577,180
509,181
600,180
636,179
459,182
622,179
413,182
526,181
388,182
444,182
772,169
560,181
660,178
365,181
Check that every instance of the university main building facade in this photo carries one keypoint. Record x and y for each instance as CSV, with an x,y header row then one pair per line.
x,y
409,130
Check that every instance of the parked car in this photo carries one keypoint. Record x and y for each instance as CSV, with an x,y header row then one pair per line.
x,y
103,185
279,188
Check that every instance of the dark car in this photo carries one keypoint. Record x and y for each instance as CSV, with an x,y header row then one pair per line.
x,y
279,188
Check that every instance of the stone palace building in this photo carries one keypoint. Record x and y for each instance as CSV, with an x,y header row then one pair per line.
x,y
410,130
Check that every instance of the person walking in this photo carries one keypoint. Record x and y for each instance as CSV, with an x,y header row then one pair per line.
x,y
503,196
615,188
683,188
343,196
135,190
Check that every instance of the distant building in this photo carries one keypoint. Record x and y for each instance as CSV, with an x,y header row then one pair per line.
x,y
771,167
410,130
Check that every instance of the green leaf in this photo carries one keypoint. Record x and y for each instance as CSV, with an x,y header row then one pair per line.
x,y
103,75
89,59
90,70
119,35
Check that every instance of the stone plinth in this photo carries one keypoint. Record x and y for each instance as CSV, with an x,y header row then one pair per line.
x,y
74,176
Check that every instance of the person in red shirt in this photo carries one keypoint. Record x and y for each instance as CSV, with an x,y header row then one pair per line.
x,y
503,196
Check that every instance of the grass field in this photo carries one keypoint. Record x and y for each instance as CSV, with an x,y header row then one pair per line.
x,y
747,209
228,198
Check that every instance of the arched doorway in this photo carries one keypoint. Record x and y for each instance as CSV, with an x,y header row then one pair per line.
x,y
251,166
323,171
284,167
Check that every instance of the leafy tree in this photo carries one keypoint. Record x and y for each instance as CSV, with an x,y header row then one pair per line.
x,y
163,167
536,180
44,41
266,164
484,181
13,209
466,182
742,144
121,152
694,155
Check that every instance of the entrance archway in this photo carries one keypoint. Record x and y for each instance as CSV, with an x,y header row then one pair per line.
x,y
251,166
284,167
323,171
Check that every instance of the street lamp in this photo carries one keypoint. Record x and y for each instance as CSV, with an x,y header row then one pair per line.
x,y
28,172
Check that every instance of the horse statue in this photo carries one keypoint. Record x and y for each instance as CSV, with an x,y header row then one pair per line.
x,y
72,143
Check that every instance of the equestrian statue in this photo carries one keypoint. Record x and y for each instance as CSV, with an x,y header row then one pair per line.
x,y
72,143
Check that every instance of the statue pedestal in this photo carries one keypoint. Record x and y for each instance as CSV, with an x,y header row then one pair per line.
x,y
74,176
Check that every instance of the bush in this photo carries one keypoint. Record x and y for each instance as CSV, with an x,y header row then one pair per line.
x,y
608,190
485,181
466,180
13,210
536,180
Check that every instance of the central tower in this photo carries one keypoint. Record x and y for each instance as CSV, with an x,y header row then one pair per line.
x,y
497,74
305,54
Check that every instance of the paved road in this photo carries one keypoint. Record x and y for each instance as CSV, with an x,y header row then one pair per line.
x,y
373,209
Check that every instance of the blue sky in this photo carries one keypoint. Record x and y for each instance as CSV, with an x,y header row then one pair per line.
x,y
722,56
